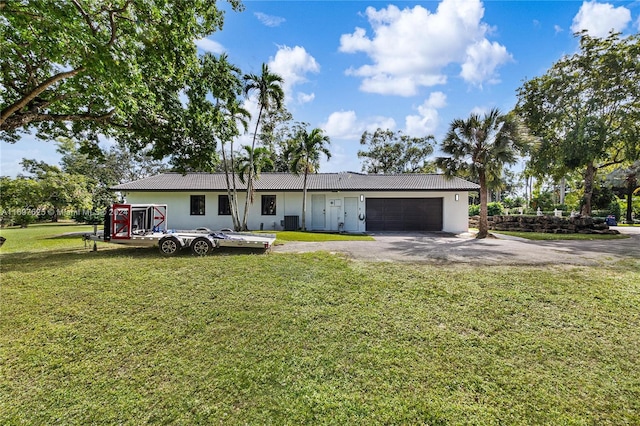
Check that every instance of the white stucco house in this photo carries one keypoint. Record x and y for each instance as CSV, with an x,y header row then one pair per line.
x,y
350,202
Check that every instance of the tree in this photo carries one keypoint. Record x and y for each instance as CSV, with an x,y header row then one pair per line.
x,y
305,153
276,134
584,109
393,152
627,178
104,169
78,68
59,190
480,147
20,200
252,163
270,96
233,114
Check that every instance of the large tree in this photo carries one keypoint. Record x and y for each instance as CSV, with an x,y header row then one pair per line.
x,y
107,168
584,109
270,96
394,152
479,147
81,68
304,152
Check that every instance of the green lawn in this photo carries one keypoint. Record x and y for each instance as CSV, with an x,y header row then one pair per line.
x,y
283,236
125,336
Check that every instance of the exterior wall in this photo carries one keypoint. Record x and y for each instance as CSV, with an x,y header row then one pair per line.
x,y
455,212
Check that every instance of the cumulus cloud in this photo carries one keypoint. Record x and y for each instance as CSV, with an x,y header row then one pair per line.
x,y
412,47
600,18
269,20
209,45
427,120
482,60
293,64
346,125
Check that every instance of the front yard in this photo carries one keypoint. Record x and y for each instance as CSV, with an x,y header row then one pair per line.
x,y
126,336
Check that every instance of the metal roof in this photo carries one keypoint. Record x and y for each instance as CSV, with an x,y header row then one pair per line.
x,y
345,181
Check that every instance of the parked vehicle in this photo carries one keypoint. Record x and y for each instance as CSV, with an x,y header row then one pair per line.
x,y
146,225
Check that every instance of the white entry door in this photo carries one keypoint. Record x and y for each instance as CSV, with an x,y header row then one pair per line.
x,y
350,214
318,212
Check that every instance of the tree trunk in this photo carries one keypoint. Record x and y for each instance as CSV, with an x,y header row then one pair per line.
x,y
250,174
483,223
231,194
304,201
631,186
589,176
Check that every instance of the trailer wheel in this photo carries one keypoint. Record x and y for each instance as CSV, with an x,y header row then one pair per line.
x,y
201,246
169,245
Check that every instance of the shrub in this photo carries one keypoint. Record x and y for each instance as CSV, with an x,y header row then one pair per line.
x,y
495,209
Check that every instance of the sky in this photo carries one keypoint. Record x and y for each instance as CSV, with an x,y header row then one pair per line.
x,y
355,66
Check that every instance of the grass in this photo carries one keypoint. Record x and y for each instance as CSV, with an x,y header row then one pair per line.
x,y
126,336
543,236
318,236
42,236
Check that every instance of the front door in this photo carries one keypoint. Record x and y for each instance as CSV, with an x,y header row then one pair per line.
x,y
318,212
351,214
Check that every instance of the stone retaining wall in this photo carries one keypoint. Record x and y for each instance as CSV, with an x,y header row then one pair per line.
x,y
546,224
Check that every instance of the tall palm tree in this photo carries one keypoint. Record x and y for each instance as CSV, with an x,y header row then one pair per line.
x,y
305,156
232,115
480,147
270,95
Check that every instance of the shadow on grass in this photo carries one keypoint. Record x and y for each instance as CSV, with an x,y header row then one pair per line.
x,y
54,258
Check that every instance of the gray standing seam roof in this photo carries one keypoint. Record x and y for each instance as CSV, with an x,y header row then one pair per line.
x,y
290,182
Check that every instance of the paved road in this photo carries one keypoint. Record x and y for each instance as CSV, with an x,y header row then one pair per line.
x,y
440,248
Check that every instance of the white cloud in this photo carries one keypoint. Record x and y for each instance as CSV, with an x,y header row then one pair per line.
x,y
412,47
428,119
304,98
600,18
558,29
638,23
293,64
346,125
482,60
269,20
209,45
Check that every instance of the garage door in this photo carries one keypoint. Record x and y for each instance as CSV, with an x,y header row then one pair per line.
x,y
404,214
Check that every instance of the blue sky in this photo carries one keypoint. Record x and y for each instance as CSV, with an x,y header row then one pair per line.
x,y
351,66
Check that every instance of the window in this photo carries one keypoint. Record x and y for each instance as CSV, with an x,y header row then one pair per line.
x,y
268,205
197,205
224,208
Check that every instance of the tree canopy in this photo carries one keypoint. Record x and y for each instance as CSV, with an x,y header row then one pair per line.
x,y
394,152
585,109
81,68
479,147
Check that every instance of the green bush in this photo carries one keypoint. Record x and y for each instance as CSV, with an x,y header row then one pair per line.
x,y
493,209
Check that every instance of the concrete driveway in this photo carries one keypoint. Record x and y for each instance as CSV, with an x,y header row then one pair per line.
x,y
442,248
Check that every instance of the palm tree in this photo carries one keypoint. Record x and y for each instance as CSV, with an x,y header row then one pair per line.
x,y
305,156
270,95
232,115
480,147
261,160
